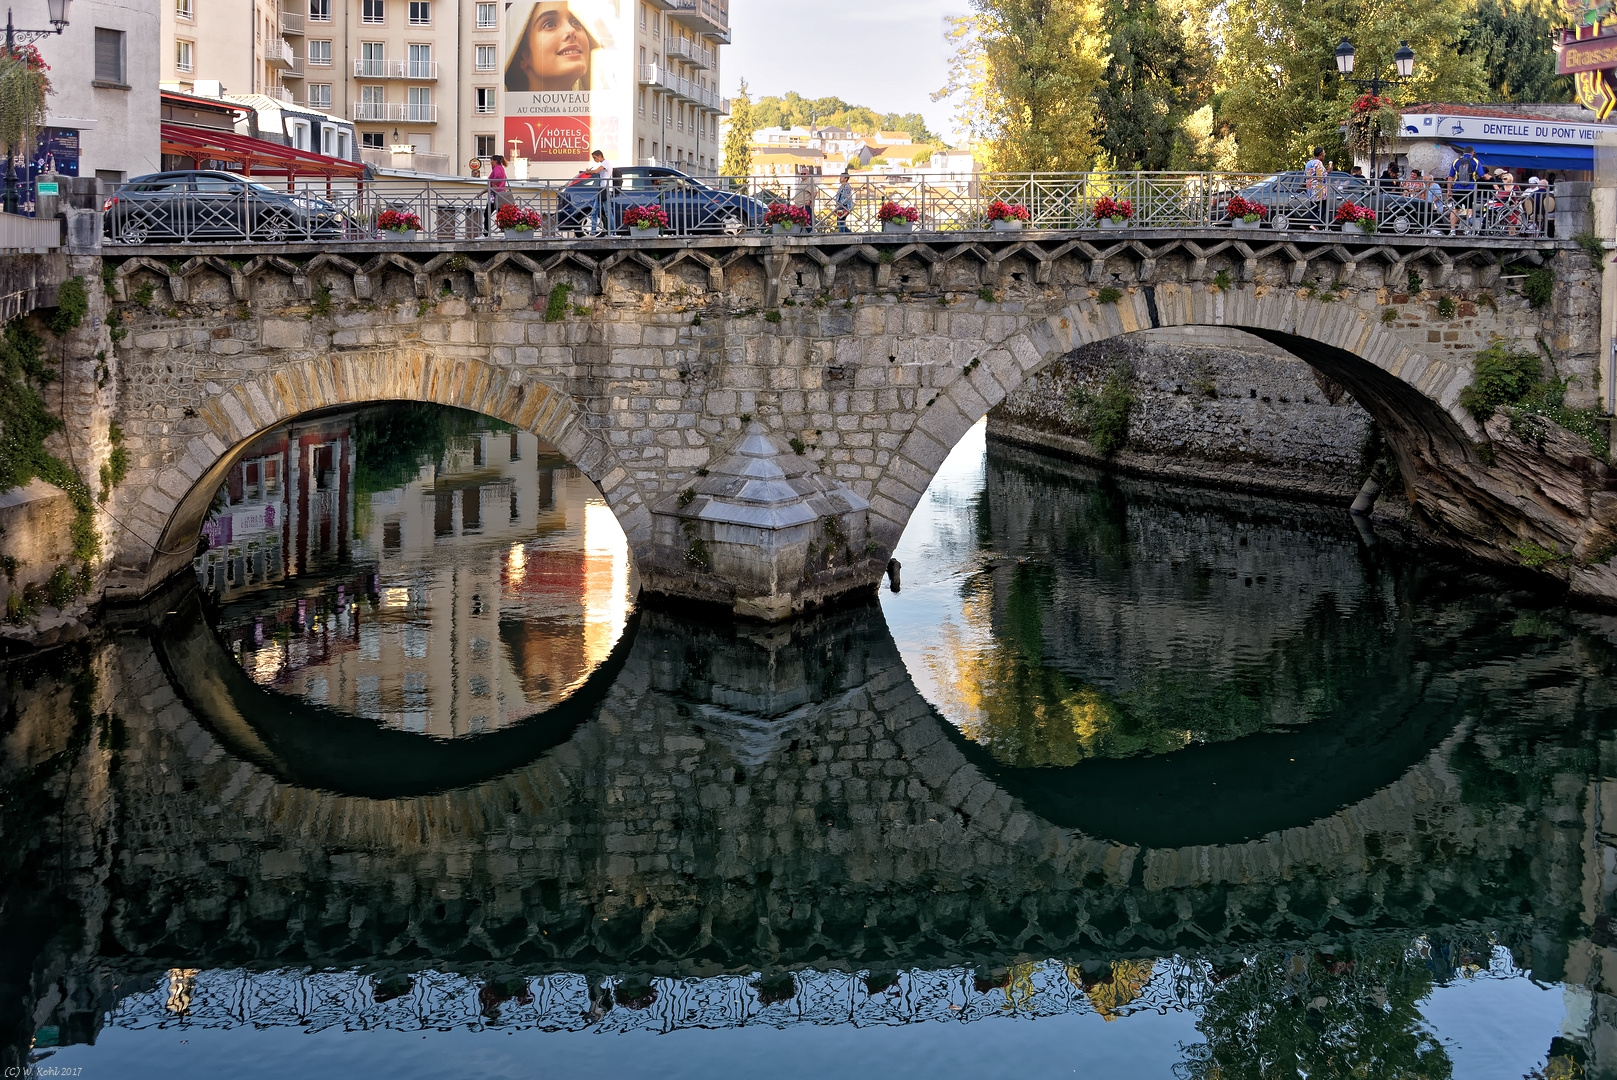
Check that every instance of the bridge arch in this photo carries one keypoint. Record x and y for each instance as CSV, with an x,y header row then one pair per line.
x,y
183,491
1412,394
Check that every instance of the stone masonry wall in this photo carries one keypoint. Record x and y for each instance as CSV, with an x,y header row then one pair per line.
x,y
1211,404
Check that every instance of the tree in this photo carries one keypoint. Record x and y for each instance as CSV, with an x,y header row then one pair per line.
x,y
737,152
1281,92
794,110
1024,75
1160,72
1512,41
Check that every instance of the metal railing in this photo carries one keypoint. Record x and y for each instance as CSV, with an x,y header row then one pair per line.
x,y
26,234
424,70
688,89
464,209
291,22
278,52
689,50
403,112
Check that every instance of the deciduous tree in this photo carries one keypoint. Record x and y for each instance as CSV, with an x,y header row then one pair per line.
x,y
737,156
1024,75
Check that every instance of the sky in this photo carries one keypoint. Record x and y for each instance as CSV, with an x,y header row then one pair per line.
x,y
889,55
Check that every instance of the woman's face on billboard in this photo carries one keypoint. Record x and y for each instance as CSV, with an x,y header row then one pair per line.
x,y
558,47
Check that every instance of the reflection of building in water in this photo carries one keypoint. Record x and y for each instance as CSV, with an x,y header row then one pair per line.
x,y
291,495
486,589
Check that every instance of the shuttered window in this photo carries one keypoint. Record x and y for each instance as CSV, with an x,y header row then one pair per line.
x,y
109,55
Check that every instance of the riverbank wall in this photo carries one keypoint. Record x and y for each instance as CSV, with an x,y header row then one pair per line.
x,y
1206,405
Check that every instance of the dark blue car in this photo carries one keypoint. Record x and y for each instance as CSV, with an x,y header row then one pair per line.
x,y
589,206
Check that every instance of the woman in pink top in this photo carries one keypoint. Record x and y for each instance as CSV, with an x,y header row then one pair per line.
x,y
498,193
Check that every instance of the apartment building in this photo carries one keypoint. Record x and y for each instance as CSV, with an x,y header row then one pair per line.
x,y
430,74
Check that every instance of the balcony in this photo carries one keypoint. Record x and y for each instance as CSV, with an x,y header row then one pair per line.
x,y
419,70
382,112
685,89
281,93
295,71
291,23
279,54
691,51
710,17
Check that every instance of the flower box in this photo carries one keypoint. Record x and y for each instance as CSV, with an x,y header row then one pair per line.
x,y
401,223
407,235
1112,223
1242,223
645,232
1112,213
787,219
897,218
645,219
1007,217
1352,227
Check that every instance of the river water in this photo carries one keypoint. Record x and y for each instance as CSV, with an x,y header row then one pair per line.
x,y
1127,780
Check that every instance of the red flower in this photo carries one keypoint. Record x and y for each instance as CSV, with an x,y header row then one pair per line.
x,y
892,211
1240,208
1000,210
1116,209
646,217
398,221
780,213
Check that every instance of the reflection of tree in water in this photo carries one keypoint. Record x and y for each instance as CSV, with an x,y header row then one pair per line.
x,y
1353,1013
392,442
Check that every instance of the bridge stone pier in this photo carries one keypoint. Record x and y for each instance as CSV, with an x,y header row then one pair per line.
x,y
763,414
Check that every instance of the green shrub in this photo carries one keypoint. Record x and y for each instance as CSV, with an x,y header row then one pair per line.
x,y
321,308
1504,378
1593,247
145,295
1104,417
986,295
1500,376
1539,285
1389,316
556,304
1221,281
1109,295
72,305
1535,555
1447,308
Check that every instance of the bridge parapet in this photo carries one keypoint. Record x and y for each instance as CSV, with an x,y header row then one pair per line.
x,y
644,360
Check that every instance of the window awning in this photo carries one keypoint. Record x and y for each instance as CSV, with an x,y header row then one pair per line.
x,y
251,157
1513,155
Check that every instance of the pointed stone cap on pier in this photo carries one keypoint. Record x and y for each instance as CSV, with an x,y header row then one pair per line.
x,y
764,485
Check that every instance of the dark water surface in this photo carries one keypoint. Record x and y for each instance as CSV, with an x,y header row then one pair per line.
x,y
1129,780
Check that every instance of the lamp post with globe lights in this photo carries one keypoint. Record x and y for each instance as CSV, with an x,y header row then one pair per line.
x,y
57,10
1403,62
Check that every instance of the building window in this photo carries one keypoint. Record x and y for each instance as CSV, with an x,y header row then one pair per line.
x,y
183,59
642,16
640,152
420,105
487,57
487,17
373,59
485,100
641,108
320,53
320,96
372,140
372,12
421,62
487,145
109,56
420,12
319,10
656,26
183,9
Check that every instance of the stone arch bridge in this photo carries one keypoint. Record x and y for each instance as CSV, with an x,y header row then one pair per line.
x,y
763,414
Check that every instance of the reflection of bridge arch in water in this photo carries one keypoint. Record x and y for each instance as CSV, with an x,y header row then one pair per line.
x,y
831,803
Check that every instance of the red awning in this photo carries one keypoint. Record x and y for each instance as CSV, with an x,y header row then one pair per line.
x,y
251,157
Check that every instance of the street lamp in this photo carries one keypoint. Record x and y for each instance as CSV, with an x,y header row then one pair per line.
x,y
1403,62
57,10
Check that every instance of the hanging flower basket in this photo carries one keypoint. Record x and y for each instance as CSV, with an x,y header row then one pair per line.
x,y
1112,213
897,218
785,219
644,221
1007,217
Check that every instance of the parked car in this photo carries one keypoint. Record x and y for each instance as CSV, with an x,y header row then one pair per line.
x,y
691,206
199,204
1286,194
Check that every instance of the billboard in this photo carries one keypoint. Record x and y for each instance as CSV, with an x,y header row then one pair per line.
x,y
568,80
